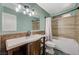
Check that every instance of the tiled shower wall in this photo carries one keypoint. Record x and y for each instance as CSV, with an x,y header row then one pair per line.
x,y
66,26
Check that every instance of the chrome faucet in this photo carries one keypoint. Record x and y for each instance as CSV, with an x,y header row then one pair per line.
x,y
28,33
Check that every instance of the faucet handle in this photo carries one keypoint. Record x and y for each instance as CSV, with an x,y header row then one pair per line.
x,y
28,33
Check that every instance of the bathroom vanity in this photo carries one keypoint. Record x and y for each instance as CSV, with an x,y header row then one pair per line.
x,y
0,42
31,44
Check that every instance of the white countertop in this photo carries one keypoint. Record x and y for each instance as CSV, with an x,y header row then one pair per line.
x,y
12,43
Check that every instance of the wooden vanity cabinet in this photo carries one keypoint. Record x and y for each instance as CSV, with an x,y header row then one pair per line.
x,y
34,48
0,43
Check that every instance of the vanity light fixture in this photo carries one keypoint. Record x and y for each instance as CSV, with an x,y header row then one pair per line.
x,y
25,10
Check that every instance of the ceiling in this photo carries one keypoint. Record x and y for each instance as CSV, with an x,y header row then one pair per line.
x,y
56,8
52,8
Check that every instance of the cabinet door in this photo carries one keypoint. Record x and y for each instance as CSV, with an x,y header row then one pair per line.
x,y
34,48
0,43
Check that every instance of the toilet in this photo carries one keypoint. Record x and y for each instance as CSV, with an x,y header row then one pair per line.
x,y
49,47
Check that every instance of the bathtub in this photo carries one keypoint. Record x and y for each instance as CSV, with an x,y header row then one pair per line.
x,y
67,45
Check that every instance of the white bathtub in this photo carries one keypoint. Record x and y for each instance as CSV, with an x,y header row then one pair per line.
x,y
67,45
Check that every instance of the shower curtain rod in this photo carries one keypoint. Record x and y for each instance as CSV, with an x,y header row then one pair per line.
x,y
68,11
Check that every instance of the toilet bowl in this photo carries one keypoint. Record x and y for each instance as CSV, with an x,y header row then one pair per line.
x,y
49,47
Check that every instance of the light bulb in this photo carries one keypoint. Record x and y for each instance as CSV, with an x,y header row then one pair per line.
x,y
33,13
66,15
19,6
27,10
24,12
17,9
30,14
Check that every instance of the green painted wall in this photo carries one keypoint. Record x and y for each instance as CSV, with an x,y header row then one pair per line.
x,y
24,22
